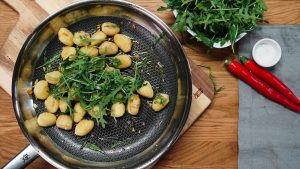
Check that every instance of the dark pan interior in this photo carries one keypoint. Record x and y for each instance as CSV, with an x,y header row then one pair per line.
x,y
130,135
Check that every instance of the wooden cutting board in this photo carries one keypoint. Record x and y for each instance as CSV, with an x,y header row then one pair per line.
x,y
31,13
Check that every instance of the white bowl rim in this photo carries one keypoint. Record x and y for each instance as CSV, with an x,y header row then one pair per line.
x,y
269,41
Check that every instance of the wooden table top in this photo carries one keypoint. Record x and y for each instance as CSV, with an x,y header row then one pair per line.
x,y
212,140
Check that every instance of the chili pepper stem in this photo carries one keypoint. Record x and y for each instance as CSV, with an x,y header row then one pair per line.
x,y
243,59
227,62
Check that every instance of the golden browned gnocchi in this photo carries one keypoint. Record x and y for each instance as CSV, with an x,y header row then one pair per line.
x,y
68,52
65,36
108,48
123,61
146,90
90,51
51,104
160,102
110,29
93,81
64,122
53,77
79,113
84,127
63,106
133,104
81,38
41,90
46,119
98,37
123,42
117,109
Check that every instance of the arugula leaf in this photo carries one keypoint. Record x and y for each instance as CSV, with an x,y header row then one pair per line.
x,y
87,80
91,146
86,40
180,24
213,79
233,33
51,61
215,20
162,8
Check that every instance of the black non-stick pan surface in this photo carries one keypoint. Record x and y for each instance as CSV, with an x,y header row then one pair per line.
x,y
130,135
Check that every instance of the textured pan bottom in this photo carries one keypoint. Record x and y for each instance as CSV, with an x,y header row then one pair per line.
x,y
130,135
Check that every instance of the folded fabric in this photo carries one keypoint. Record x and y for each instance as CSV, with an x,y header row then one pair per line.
x,y
268,133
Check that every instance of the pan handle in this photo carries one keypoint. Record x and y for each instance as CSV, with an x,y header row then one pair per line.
x,y
25,157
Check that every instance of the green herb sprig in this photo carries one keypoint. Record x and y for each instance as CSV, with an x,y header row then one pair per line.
x,y
95,83
86,40
213,79
91,146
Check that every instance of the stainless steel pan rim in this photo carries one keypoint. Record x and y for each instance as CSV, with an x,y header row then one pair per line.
x,y
122,3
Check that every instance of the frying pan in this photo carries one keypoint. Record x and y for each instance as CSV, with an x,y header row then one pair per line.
x,y
140,140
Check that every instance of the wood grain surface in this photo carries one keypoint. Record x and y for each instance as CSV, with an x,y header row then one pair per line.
x,y
211,143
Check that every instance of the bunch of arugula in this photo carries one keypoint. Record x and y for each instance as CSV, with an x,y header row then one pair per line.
x,y
216,21
92,83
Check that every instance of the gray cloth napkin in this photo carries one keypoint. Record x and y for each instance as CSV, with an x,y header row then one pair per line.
x,y
268,133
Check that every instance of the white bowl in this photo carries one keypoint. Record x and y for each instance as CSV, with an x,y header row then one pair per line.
x,y
266,52
217,44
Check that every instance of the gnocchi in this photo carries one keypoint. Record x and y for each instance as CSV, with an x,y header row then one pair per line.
x,y
79,113
123,42
84,127
90,51
160,102
98,37
81,38
108,48
65,36
133,104
117,109
110,29
46,119
122,61
146,90
41,90
64,122
63,106
51,104
96,81
68,52
53,77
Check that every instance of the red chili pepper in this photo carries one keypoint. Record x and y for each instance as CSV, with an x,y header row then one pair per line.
x,y
269,78
259,85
